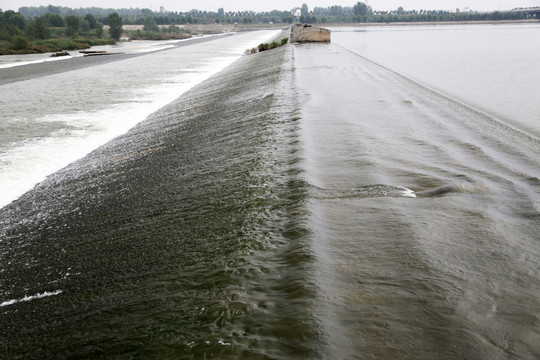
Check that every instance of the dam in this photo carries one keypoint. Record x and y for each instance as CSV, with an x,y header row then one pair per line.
x,y
264,214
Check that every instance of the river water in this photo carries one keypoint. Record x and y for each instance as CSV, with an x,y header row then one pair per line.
x,y
492,68
282,209
49,121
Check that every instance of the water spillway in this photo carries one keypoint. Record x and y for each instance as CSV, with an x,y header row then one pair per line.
x,y
177,238
269,213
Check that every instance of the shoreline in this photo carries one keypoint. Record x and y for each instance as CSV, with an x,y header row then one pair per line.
x,y
254,27
435,23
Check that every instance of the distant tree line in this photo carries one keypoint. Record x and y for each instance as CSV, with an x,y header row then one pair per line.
x,y
12,23
52,31
401,15
137,16
29,24
360,12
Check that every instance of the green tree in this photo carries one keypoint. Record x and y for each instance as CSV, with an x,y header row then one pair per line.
x,y
99,30
304,11
360,9
19,42
85,25
115,26
53,9
36,29
54,20
91,20
16,19
147,12
3,27
8,30
72,25
150,24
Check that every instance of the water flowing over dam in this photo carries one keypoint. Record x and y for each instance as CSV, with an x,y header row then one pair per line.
x,y
269,213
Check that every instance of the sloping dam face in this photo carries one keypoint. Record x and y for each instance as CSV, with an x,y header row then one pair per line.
x,y
182,238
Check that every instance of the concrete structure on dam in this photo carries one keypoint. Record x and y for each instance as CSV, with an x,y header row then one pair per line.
x,y
309,33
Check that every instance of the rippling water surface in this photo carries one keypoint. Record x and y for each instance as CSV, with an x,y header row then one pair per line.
x,y
450,276
49,121
284,208
488,67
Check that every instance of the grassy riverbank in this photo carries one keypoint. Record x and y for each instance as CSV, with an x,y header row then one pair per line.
x,y
22,46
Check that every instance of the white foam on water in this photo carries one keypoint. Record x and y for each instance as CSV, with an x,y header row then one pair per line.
x,y
37,61
29,162
132,47
29,298
408,192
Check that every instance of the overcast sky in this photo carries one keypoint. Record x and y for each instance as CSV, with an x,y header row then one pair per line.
x,y
232,5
